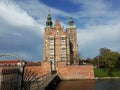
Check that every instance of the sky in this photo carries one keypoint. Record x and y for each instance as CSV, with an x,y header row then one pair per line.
x,y
22,24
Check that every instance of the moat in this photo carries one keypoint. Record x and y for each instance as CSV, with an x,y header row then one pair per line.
x,y
89,85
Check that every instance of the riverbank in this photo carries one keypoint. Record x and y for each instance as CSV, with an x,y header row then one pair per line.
x,y
107,78
95,78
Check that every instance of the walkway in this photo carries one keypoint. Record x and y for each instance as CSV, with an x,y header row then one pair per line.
x,y
42,82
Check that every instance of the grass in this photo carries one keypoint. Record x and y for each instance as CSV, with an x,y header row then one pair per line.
x,y
106,72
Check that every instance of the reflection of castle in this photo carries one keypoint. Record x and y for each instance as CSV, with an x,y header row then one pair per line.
x,y
60,45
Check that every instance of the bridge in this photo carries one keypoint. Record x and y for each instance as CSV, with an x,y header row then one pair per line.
x,y
19,77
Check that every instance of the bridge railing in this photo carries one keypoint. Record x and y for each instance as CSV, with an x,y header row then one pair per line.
x,y
9,79
44,79
40,81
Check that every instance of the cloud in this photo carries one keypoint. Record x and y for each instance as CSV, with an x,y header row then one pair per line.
x,y
39,10
101,27
10,12
22,25
91,39
92,8
19,32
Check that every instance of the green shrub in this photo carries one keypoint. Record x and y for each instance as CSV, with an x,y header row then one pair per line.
x,y
100,72
106,72
116,74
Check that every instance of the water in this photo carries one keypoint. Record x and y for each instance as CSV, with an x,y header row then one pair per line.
x,y
89,85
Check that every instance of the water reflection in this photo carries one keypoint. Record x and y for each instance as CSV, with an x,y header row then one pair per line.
x,y
89,85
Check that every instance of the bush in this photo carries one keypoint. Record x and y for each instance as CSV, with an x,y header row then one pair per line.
x,y
115,73
106,72
100,72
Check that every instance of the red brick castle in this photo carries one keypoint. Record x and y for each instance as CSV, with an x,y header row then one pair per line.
x,y
60,44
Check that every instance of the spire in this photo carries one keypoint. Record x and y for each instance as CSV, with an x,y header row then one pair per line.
x,y
49,20
71,23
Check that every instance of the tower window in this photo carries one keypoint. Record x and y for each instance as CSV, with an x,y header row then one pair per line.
x,y
51,40
71,38
51,47
51,58
63,40
51,37
63,58
63,51
51,51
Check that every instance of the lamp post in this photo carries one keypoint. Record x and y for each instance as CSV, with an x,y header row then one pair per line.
x,y
98,64
53,68
21,68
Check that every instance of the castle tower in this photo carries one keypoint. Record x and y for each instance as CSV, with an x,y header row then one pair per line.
x,y
71,31
56,42
60,45
46,37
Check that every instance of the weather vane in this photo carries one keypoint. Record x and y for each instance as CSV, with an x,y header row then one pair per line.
x,y
49,11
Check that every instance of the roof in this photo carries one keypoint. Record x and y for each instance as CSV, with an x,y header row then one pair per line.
x,y
9,61
33,64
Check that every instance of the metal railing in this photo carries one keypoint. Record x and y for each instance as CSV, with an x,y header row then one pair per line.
x,y
10,79
35,81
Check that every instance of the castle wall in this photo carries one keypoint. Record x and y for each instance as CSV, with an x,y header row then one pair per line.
x,y
75,72
41,70
66,72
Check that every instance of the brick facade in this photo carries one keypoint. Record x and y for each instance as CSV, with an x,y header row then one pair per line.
x,y
40,70
75,72
60,45
65,72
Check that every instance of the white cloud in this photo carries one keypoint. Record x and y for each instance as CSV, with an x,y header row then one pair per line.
x,y
19,32
10,12
92,38
92,8
22,25
39,10
101,27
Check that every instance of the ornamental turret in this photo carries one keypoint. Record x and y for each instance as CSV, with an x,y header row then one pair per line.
x,y
49,21
71,23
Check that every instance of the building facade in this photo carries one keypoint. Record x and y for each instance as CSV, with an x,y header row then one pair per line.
x,y
60,44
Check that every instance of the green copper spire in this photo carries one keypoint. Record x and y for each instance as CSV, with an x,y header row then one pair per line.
x,y
71,23
49,20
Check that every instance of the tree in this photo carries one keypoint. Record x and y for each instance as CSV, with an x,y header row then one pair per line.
x,y
104,51
108,58
111,59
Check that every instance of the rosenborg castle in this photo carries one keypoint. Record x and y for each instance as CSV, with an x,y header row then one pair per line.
x,y
60,44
